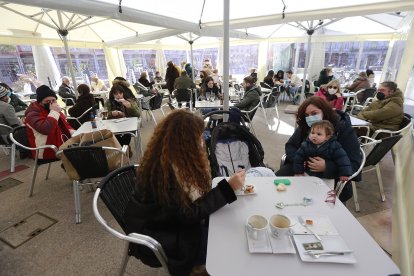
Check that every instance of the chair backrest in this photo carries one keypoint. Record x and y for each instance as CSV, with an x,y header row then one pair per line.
x,y
406,121
89,162
380,149
116,190
156,101
19,135
341,184
140,87
271,99
5,131
265,85
183,95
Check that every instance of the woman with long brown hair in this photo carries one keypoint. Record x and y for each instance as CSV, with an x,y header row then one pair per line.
x,y
315,109
173,195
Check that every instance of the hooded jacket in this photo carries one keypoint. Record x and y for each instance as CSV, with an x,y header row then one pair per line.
x,y
358,84
251,99
330,150
385,114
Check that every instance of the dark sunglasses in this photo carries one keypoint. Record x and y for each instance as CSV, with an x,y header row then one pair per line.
x,y
334,87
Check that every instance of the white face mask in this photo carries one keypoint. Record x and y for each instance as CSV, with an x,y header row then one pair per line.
x,y
331,91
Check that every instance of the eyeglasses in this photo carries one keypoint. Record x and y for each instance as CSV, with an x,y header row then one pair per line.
x,y
334,87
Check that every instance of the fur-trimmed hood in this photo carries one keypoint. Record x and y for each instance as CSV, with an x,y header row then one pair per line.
x,y
124,83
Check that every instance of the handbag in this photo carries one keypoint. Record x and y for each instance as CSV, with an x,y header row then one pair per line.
x,y
101,138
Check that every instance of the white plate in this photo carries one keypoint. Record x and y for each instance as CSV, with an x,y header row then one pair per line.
x,y
322,225
329,243
282,245
259,245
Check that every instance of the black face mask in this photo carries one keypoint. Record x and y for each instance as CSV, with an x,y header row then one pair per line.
x,y
380,96
46,106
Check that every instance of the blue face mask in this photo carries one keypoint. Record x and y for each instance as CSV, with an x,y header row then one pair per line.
x,y
313,119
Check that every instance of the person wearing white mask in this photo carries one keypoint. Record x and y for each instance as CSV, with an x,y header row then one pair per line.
x,y
332,93
315,109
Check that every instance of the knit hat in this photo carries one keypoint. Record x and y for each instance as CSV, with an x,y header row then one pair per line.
x,y
3,91
44,91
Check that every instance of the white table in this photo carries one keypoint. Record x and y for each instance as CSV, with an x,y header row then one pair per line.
x,y
359,123
117,126
228,254
208,104
348,96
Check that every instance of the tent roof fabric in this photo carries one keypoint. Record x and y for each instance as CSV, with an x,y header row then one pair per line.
x,y
99,21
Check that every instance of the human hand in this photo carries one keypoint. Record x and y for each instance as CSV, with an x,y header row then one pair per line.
x,y
343,178
55,107
125,103
317,164
71,131
236,182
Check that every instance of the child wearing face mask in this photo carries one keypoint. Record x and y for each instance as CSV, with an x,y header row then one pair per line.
x,y
332,93
321,142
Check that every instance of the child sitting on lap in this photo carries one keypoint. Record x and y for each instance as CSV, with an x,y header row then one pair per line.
x,y
322,142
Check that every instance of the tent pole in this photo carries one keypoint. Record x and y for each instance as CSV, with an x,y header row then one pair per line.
x,y
305,70
226,44
191,57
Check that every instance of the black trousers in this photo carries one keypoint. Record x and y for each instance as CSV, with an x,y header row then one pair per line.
x,y
287,170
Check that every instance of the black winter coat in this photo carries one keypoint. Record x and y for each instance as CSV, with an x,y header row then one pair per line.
x,y
345,135
177,231
330,150
82,104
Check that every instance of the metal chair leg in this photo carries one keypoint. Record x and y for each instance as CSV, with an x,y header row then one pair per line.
x,y
153,117
13,158
33,176
76,196
379,177
125,259
48,170
355,196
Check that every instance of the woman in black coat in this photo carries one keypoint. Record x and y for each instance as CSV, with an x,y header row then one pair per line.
x,y
170,76
173,195
317,109
84,102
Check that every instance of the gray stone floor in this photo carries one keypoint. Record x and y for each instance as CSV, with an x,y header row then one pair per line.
x,y
87,249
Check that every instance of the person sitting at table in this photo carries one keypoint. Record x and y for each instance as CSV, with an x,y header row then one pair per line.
x,y
45,123
145,82
325,76
173,198
322,142
388,111
361,82
158,77
269,78
332,93
294,84
7,113
14,100
120,105
371,77
66,91
125,85
312,110
251,95
97,84
216,78
279,77
84,102
184,82
208,89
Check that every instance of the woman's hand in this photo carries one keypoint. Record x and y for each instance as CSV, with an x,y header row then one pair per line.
x,y
117,114
316,164
125,103
237,180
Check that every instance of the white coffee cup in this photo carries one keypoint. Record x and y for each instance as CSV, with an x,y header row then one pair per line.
x,y
256,226
279,225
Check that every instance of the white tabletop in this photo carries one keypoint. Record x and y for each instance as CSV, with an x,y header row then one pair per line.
x,y
114,125
228,253
348,94
358,122
100,93
208,104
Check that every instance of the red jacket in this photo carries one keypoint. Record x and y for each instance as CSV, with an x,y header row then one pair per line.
x,y
337,103
45,128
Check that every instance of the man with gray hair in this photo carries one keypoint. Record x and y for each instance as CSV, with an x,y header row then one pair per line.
x,y
66,91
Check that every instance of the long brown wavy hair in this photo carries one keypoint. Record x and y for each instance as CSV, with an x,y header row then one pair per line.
x,y
328,113
175,162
